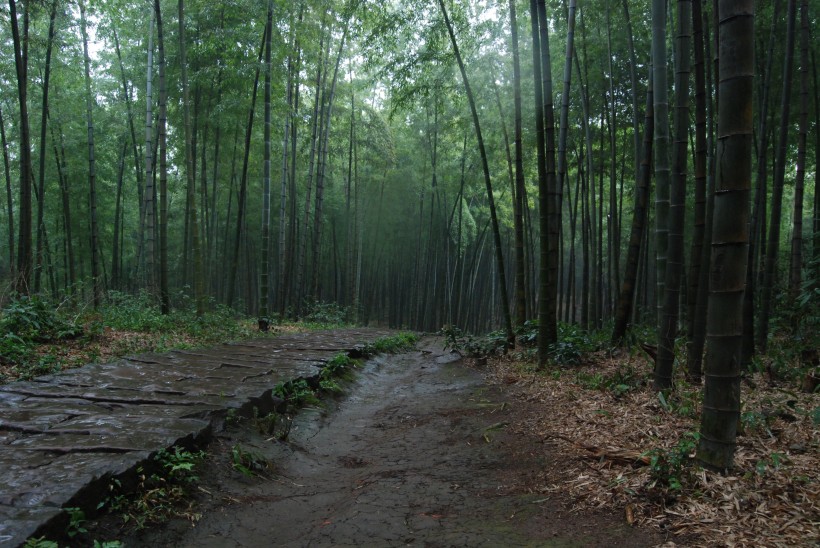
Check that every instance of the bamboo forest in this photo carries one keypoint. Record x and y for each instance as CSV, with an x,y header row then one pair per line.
x,y
612,195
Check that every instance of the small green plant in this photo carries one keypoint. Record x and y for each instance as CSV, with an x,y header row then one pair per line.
x,y
458,341
247,462
161,495
774,461
268,425
35,319
179,463
231,417
76,521
668,467
388,345
527,334
40,542
296,392
751,421
591,381
325,314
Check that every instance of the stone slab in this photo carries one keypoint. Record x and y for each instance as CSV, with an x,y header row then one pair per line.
x,y
65,436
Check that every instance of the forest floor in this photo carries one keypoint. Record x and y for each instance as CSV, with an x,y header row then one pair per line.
x,y
581,455
629,450
420,450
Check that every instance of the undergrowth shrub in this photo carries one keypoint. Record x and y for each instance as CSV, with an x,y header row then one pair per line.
x,y
493,343
32,318
325,314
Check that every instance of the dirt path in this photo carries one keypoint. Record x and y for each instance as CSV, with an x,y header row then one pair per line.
x,y
414,454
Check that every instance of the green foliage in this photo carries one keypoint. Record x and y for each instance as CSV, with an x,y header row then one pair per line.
x,y
623,380
161,495
247,462
751,421
40,542
325,314
527,334
773,462
681,402
32,318
795,335
388,345
591,381
573,342
140,312
14,349
269,425
669,467
179,464
25,323
296,392
76,519
494,343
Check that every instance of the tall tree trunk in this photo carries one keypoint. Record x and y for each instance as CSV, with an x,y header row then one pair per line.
x,y
290,263
563,127
816,222
243,184
704,200
41,181
613,219
633,76
9,198
24,252
659,81
148,209
674,265
116,250
350,208
757,225
777,185
62,177
315,128
283,187
199,276
796,264
730,236
626,298
126,90
162,136
264,321
505,303
92,167
518,196
321,168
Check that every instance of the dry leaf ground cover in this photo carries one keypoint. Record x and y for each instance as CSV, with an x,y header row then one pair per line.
x,y
625,447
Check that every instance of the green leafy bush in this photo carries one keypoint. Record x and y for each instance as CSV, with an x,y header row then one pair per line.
x,y
327,314
668,467
463,343
34,319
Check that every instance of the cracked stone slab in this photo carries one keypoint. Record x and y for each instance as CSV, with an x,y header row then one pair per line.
x,y
65,436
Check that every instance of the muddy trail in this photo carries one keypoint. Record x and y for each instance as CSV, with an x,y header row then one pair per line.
x,y
414,454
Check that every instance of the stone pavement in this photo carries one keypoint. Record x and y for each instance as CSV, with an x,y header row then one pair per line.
x,y
64,437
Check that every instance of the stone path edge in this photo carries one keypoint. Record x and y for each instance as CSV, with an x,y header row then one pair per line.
x,y
65,437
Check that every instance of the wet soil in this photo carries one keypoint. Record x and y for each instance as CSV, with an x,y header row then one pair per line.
x,y
414,454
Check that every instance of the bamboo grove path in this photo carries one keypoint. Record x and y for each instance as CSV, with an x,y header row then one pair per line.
x,y
64,437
